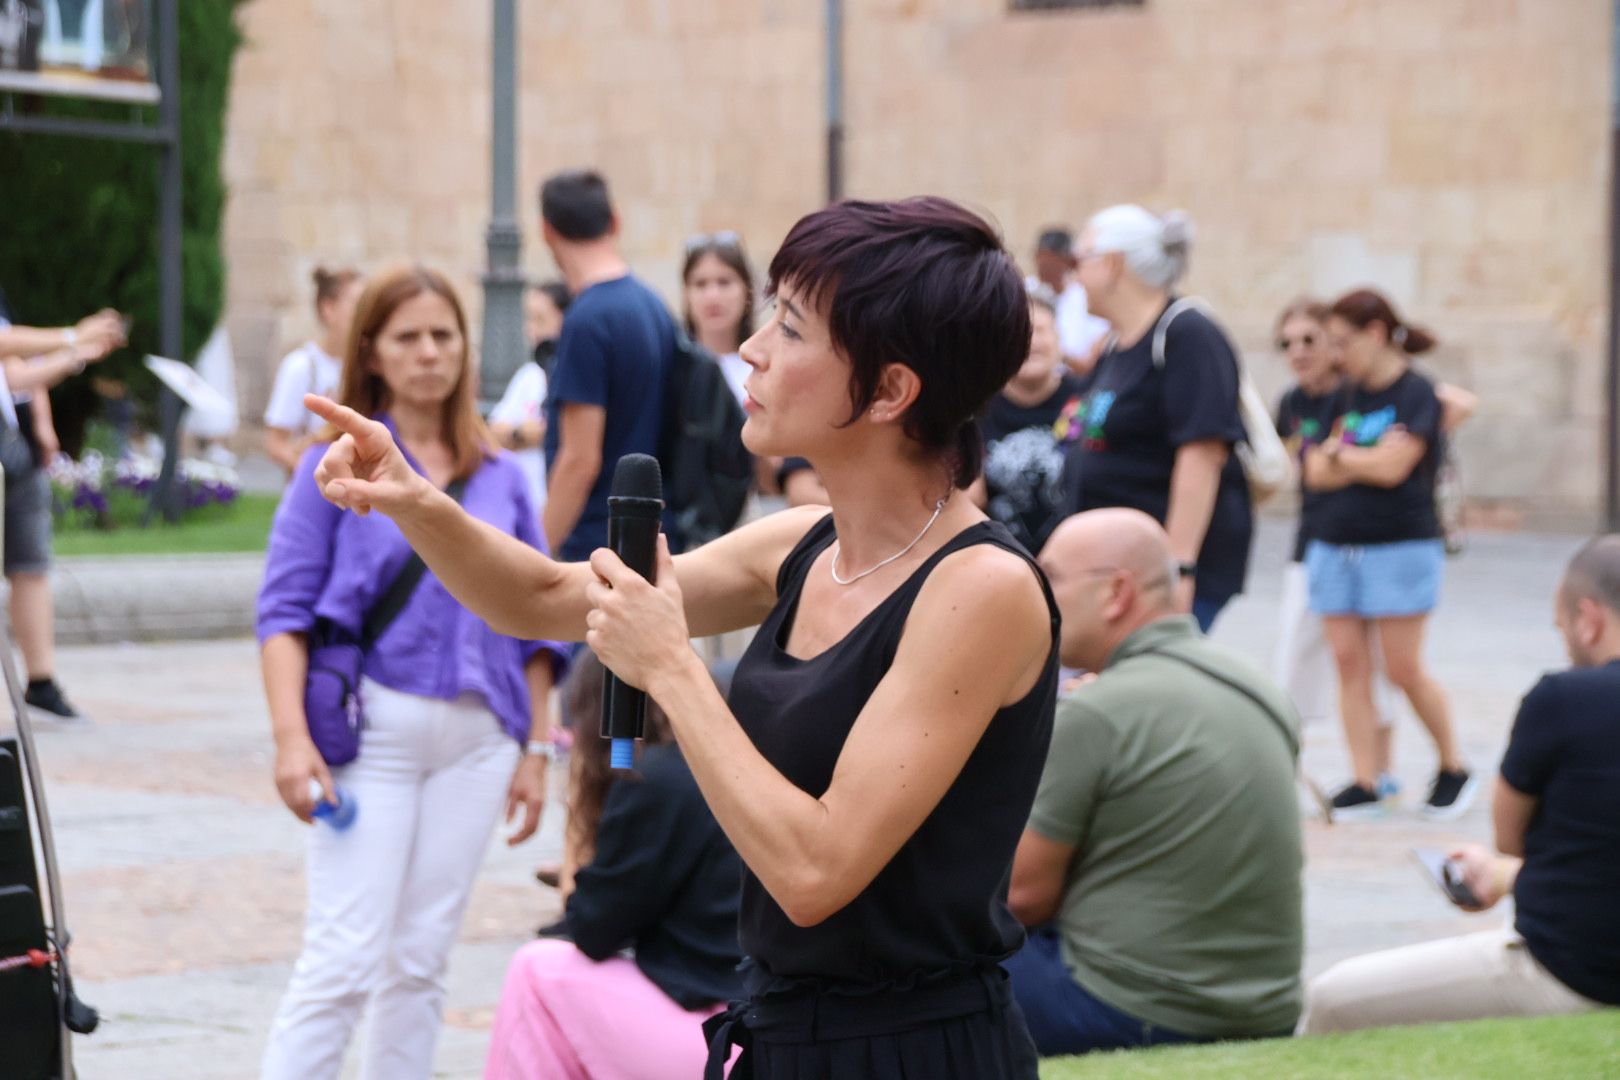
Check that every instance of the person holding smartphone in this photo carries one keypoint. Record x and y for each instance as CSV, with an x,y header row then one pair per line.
x,y
1556,814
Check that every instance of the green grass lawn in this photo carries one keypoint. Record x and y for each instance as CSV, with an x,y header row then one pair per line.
x,y
1560,1047
242,526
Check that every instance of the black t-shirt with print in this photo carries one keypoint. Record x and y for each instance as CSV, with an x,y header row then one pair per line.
x,y
1024,448
1365,514
1563,751
1137,416
1303,421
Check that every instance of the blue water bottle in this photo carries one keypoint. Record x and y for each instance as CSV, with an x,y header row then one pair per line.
x,y
340,815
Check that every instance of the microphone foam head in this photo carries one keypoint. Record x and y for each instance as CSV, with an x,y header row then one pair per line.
x,y
637,476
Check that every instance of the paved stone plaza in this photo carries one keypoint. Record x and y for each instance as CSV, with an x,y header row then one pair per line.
x,y
184,879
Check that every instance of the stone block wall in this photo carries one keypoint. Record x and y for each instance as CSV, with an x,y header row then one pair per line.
x,y
1451,152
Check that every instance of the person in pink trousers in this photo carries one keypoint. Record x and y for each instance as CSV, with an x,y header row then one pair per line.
x,y
655,877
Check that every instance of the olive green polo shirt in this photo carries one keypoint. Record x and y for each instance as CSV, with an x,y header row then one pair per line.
x,y
1183,904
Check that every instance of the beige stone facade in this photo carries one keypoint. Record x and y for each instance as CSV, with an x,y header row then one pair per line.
x,y
1452,152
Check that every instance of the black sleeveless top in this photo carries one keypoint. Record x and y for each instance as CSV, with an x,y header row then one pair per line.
x,y
940,905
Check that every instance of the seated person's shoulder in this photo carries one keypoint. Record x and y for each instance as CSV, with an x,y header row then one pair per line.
x,y
1241,670
1603,678
1111,699
661,764
1573,697
1095,703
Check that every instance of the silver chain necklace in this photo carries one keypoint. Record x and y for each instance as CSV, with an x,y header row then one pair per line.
x,y
939,508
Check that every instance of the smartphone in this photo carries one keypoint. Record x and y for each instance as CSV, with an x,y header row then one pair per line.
x,y
1447,876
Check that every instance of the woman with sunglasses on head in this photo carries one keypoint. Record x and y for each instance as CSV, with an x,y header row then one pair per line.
x,y
886,729
449,702
1305,415
1374,562
1161,417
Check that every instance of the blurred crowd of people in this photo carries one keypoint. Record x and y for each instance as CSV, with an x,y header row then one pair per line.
x,y
1159,873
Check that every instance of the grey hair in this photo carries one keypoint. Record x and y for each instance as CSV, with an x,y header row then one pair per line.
x,y
1594,572
1155,248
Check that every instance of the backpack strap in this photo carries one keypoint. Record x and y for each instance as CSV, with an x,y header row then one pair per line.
x,y
399,592
1161,329
1279,722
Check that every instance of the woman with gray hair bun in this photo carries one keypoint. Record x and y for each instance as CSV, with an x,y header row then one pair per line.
x,y
1161,419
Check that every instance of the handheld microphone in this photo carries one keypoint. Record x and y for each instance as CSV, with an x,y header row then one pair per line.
x,y
635,512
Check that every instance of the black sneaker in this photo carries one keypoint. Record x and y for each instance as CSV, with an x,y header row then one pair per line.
x,y
1450,795
1356,803
46,696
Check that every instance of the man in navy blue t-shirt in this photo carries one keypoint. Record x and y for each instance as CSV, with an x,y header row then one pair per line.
x,y
606,394
1557,815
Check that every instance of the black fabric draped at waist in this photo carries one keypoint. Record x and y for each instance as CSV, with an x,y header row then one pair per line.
x,y
807,1016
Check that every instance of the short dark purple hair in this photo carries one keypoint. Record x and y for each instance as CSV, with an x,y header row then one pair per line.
x,y
921,282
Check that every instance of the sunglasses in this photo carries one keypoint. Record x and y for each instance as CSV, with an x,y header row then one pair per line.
x,y
1307,341
725,238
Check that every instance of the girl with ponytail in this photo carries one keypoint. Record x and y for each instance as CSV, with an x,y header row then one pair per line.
x,y
312,368
1375,560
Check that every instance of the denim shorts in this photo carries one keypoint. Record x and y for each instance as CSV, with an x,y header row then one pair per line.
x,y
28,523
1375,581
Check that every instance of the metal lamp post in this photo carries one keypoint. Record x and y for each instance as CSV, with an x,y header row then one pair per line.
x,y
504,349
835,100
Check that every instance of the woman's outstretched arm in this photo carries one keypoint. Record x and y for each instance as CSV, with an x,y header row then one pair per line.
x,y
730,583
504,581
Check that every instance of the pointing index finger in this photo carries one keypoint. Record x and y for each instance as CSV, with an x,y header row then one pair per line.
x,y
344,419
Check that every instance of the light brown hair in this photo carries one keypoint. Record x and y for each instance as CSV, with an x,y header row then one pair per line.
x,y
581,697
364,391
330,283
1303,307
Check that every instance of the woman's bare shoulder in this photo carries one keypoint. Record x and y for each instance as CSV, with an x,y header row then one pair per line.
x,y
730,582
992,587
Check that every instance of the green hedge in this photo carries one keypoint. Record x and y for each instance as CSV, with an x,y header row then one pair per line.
x,y
81,214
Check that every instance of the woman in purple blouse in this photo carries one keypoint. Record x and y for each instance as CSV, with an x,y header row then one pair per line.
x,y
449,703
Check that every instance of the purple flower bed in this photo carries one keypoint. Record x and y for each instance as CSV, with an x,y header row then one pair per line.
x,y
97,493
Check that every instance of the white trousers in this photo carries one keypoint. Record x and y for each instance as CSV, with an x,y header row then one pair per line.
x,y
1474,977
386,896
1304,662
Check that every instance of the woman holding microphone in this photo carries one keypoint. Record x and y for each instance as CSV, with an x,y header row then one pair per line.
x,y
888,724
